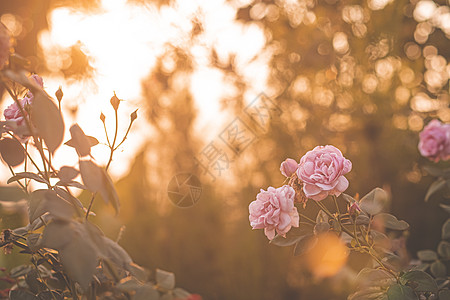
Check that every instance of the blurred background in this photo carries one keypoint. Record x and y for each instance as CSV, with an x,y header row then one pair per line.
x,y
227,90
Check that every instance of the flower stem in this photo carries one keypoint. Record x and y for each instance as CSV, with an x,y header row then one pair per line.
x,y
368,248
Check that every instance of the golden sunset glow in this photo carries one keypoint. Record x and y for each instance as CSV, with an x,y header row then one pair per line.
x,y
122,41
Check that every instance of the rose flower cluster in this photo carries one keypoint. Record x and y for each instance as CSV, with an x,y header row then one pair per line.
x,y
319,173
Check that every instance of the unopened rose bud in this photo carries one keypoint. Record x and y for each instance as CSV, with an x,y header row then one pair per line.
x,y
133,115
115,102
288,167
354,209
102,117
59,94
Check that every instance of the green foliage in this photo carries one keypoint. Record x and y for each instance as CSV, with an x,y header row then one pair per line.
x,y
70,257
374,202
400,292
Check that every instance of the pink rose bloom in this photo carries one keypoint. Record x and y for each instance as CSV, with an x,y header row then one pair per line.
x,y
13,116
288,167
13,113
274,210
5,45
435,141
15,120
322,172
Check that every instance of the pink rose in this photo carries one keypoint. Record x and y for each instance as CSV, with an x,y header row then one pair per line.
x,y
288,167
13,116
274,210
15,120
435,141
5,45
322,172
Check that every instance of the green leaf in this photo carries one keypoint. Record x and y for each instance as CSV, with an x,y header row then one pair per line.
x,y
433,171
21,230
401,292
47,119
167,297
97,180
66,173
58,234
79,259
378,278
380,240
375,293
446,230
28,175
424,282
391,222
79,255
445,207
129,284
438,269
422,267
444,294
20,271
180,293
444,249
322,217
374,202
348,198
292,237
71,183
137,271
146,292
68,197
321,228
12,152
116,253
427,255
43,201
32,241
19,76
80,141
21,295
434,188
50,295
306,243
362,220
165,280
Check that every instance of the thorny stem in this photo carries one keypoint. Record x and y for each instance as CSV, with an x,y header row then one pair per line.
x,y
367,248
